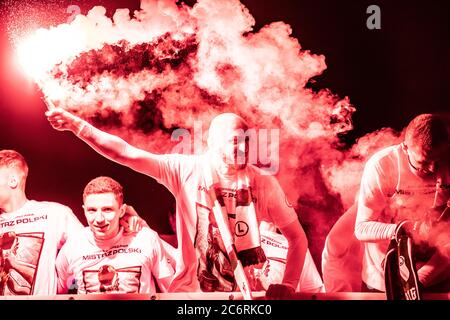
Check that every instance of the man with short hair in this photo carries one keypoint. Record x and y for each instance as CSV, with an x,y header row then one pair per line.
x,y
101,258
409,181
31,232
245,196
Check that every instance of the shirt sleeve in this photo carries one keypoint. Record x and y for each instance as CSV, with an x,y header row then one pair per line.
x,y
62,271
280,211
68,224
372,200
170,173
160,264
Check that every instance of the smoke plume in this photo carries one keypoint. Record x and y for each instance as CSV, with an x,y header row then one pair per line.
x,y
168,66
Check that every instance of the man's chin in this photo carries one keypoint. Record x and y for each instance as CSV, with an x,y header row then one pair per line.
x,y
240,166
99,236
235,166
240,163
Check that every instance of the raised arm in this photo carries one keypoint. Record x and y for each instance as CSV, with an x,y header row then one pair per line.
x,y
108,145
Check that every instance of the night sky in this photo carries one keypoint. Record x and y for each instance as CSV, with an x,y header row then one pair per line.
x,y
390,76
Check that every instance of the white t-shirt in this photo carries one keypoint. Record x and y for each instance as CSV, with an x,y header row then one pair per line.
x,y
183,176
276,247
123,264
393,193
31,237
342,256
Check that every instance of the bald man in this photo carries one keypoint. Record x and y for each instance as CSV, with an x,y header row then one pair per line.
x,y
246,198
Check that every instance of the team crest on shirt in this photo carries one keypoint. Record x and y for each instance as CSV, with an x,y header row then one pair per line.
x,y
19,260
107,279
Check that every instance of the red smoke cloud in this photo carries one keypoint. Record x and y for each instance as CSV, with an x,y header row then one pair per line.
x,y
171,65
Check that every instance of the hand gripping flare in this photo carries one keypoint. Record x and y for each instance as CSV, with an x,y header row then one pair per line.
x,y
50,105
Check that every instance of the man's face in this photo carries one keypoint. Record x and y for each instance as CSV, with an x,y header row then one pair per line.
x,y
233,148
426,164
103,212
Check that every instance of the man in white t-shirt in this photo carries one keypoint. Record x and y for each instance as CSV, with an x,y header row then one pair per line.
x,y
32,232
247,196
101,258
409,181
276,247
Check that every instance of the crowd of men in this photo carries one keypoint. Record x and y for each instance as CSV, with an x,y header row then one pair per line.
x,y
235,230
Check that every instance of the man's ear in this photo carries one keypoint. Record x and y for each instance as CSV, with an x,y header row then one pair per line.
x,y
13,181
404,147
123,210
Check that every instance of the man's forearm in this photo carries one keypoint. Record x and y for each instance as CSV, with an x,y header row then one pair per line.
x,y
108,145
295,262
373,231
437,269
118,150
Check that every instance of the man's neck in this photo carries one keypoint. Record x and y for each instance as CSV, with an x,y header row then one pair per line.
x,y
110,240
15,203
226,170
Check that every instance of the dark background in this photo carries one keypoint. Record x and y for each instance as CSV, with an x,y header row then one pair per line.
x,y
390,75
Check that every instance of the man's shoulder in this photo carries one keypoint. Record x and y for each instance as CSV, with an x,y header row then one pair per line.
x,y
76,243
260,173
261,178
184,162
78,236
148,235
386,155
50,207
146,240
182,158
